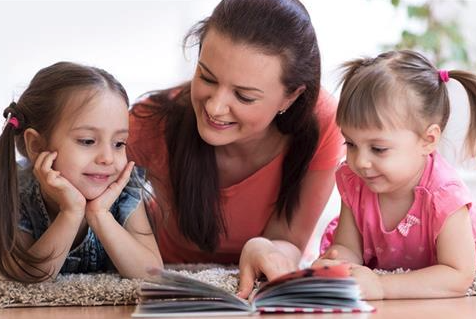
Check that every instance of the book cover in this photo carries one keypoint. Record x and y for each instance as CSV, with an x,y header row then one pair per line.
x,y
311,290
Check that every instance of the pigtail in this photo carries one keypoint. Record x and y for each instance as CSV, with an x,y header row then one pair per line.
x,y
16,261
9,209
468,81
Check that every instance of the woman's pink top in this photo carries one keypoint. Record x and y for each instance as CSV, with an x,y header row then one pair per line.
x,y
247,205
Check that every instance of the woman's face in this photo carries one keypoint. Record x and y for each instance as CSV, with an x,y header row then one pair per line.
x,y
236,91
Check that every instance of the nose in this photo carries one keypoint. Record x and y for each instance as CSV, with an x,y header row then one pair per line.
x,y
105,155
362,160
217,103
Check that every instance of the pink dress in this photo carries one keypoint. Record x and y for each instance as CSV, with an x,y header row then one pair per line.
x,y
412,244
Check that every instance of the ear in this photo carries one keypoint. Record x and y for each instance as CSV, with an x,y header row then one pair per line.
x,y
34,143
431,138
289,100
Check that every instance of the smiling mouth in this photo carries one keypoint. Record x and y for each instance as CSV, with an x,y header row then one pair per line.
x,y
371,178
98,177
217,122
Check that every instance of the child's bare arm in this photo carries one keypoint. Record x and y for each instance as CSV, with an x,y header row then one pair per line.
x,y
347,245
131,248
54,245
451,277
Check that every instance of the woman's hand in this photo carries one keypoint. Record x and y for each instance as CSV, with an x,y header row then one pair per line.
x,y
260,256
56,187
103,203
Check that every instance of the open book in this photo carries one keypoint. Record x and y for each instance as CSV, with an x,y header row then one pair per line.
x,y
327,289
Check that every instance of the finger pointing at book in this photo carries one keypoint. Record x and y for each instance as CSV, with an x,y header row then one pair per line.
x,y
262,256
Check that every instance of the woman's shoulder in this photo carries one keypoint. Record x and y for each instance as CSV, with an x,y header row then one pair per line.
x,y
326,106
330,149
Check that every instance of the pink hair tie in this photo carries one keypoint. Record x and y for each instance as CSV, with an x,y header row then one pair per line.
x,y
444,75
14,121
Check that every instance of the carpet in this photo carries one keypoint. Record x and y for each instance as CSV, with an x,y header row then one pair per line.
x,y
110,288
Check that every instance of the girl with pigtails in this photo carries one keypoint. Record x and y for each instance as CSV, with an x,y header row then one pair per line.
x,y
403,205
70,206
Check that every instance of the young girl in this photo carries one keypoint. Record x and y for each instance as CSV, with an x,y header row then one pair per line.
x,y
402,204
71,208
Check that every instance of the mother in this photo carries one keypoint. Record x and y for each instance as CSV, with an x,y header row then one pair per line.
x,y
242,158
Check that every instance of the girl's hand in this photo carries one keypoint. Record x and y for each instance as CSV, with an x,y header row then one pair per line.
x,y
103,203
260,257
370,284
329,258
56,187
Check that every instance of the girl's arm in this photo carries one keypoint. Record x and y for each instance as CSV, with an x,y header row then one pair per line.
x,y
451,277
131,248
280,248
347,244
55,243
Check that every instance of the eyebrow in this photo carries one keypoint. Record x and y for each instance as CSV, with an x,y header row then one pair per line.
x,y
373,140
245,88
95,129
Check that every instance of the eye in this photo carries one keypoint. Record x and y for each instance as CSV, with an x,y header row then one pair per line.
x,y
349,144
243,98
86,141
379,150
207,80
120,145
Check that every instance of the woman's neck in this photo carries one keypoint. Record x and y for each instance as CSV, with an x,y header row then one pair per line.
x,y
240,160
269,144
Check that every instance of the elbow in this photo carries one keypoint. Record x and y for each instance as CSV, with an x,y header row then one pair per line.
x,y
146,270
464,283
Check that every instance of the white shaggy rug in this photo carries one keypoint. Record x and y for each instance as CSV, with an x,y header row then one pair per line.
x,y
110,289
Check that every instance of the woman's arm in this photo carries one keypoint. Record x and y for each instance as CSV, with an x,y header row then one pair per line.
x,y
280,248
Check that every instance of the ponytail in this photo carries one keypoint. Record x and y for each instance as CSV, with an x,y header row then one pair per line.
x,y
14,256
468,81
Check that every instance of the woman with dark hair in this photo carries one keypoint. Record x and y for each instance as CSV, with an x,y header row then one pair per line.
x,y
242,158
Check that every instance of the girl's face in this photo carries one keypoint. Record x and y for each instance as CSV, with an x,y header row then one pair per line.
x,y
90,142
388,161
236,91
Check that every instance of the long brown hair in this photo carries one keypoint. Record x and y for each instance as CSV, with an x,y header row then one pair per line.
x,y
401,88
39,107
277,27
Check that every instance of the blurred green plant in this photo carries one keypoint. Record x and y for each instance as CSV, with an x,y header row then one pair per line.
x,y
440,39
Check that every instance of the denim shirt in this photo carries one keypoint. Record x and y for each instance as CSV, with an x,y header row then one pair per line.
x,y
89,255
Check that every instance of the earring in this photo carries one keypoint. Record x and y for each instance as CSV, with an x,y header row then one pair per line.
x,y
281,112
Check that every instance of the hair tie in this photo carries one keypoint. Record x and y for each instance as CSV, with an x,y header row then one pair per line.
x,y
14,121
444,75
12,117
